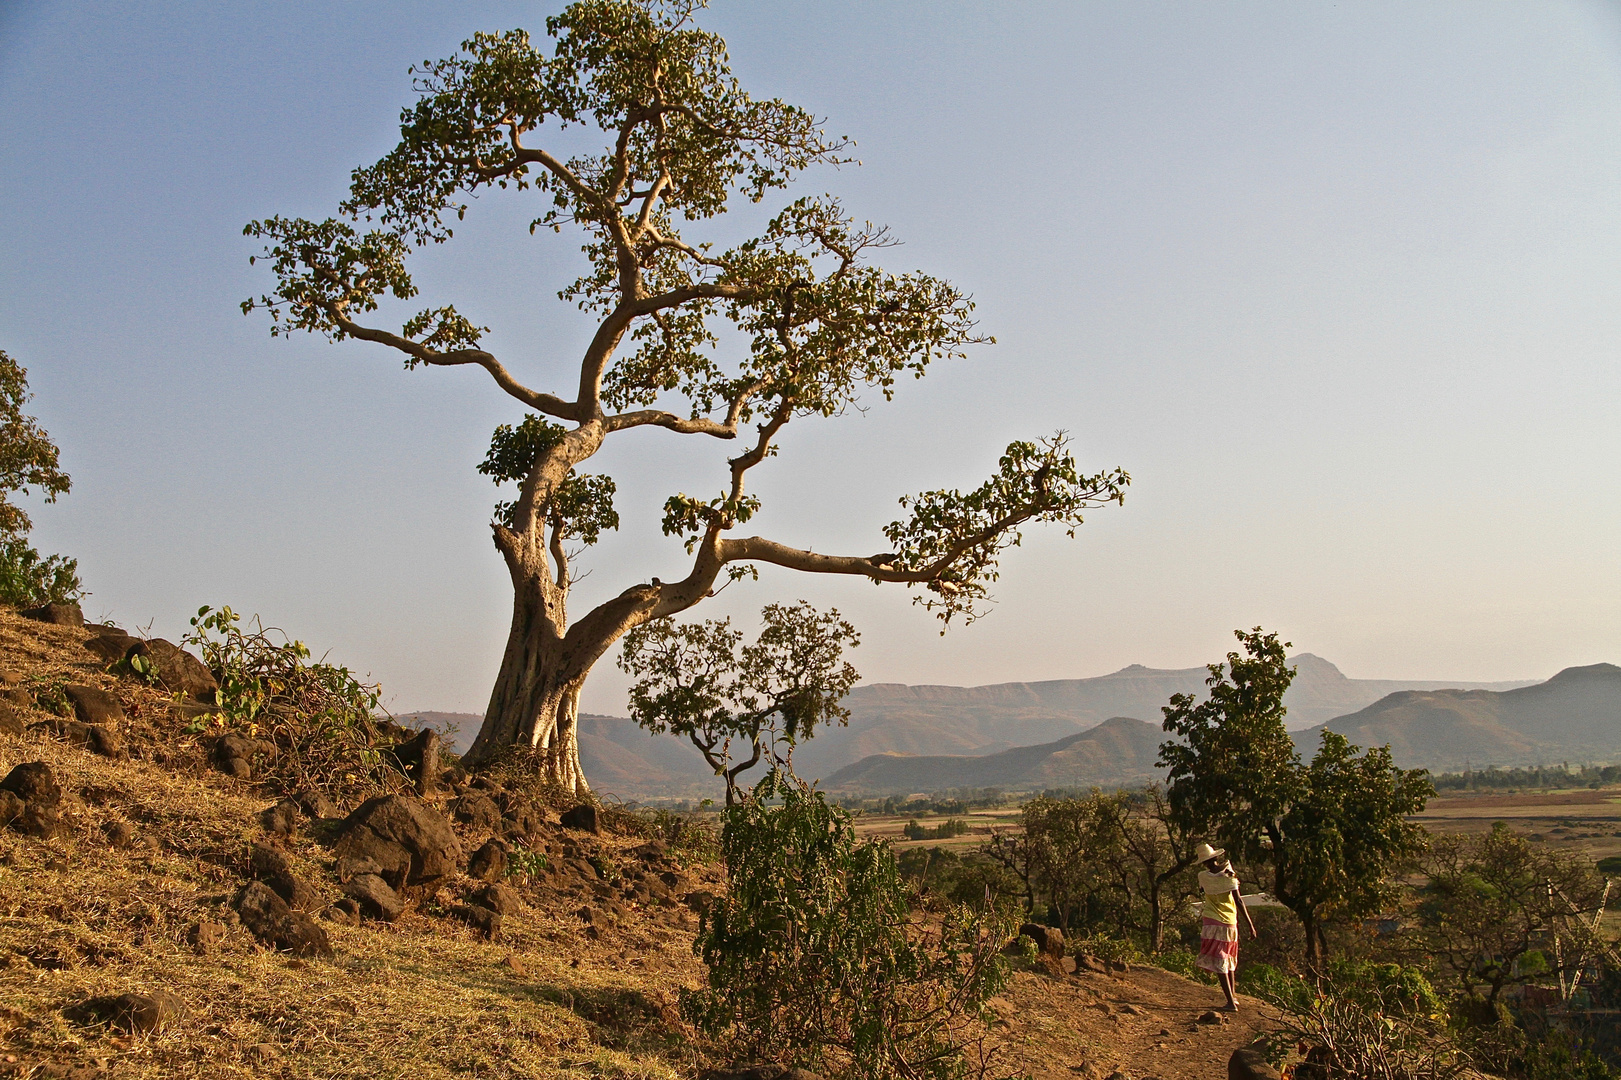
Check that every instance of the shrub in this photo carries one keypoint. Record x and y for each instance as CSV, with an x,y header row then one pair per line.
x,y
1361,1022
816,958
28,580
319,716
1184,962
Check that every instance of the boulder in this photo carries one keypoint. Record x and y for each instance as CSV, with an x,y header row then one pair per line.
x,y
489,863
479,811
698,900
282,819
120,834
412,844
176,670
270,866
11,721
500,899
137,1014
93,705
374,896
33,782
480,918
110,643
522,820
1048,939
1249,1063
582,817
11,808
345,911
315,803
1211,1017
96,738
419,759
240,756
268,918
57,614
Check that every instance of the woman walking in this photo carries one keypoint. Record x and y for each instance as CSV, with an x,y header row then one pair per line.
x,y
1218,940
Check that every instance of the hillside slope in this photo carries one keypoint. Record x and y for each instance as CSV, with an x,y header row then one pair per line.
x,y
1574,716
133,895
1119,751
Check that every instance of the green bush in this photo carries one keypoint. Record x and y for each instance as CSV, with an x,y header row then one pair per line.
x,y
319,716
1183,962
1379,1021
817,959
28,580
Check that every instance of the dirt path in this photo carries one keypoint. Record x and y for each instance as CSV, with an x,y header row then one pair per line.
x,y
1143,1023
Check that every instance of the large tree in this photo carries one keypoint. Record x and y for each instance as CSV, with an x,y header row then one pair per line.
x,y
28,460
693,339
1332,831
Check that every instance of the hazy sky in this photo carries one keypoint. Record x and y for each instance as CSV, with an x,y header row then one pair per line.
x,y
1338,284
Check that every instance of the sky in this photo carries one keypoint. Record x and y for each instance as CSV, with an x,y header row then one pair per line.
x,y
1337,283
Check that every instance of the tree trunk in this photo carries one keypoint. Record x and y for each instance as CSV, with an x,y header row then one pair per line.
x,y
535,702
1156,921
1308,922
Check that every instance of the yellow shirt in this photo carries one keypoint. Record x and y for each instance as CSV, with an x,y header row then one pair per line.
x,y
1220,896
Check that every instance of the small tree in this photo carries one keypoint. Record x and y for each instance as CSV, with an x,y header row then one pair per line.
x,y
1149,858
693,681
675,142
1332,832
1491,903
817,959
28,459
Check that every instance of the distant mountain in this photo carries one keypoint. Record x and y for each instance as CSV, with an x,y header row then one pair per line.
x,y
1119,751
898,735
889,718
1574,716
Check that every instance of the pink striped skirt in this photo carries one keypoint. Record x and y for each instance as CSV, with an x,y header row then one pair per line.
x,y
1218,946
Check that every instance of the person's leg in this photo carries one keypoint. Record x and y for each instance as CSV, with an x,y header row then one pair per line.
x,y
1229,986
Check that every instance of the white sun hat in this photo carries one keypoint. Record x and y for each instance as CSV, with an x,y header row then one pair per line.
x,y
1204,852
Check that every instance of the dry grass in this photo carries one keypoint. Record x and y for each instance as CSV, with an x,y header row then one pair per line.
x,y
423,997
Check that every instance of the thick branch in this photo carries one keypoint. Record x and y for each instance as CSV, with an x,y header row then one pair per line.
x,y
547,403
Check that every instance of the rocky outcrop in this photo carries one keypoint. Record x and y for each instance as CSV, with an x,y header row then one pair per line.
x,y
410,844
29,800
268,918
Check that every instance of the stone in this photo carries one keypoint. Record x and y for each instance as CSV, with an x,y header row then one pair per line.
x,y
1210,1016
268,918
582,818
38,820
500,899
270,866
479,811
93,705
1048,939
137,1014
419,758
176,670
11,808
282,819
412,844
11,721
349,866
238,755
376,899
480,918
1249,1063
120,834
522,820
317,805
698,900
33,782
110,643
206,935
93,737
489,863
345,911
513,964
68,614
